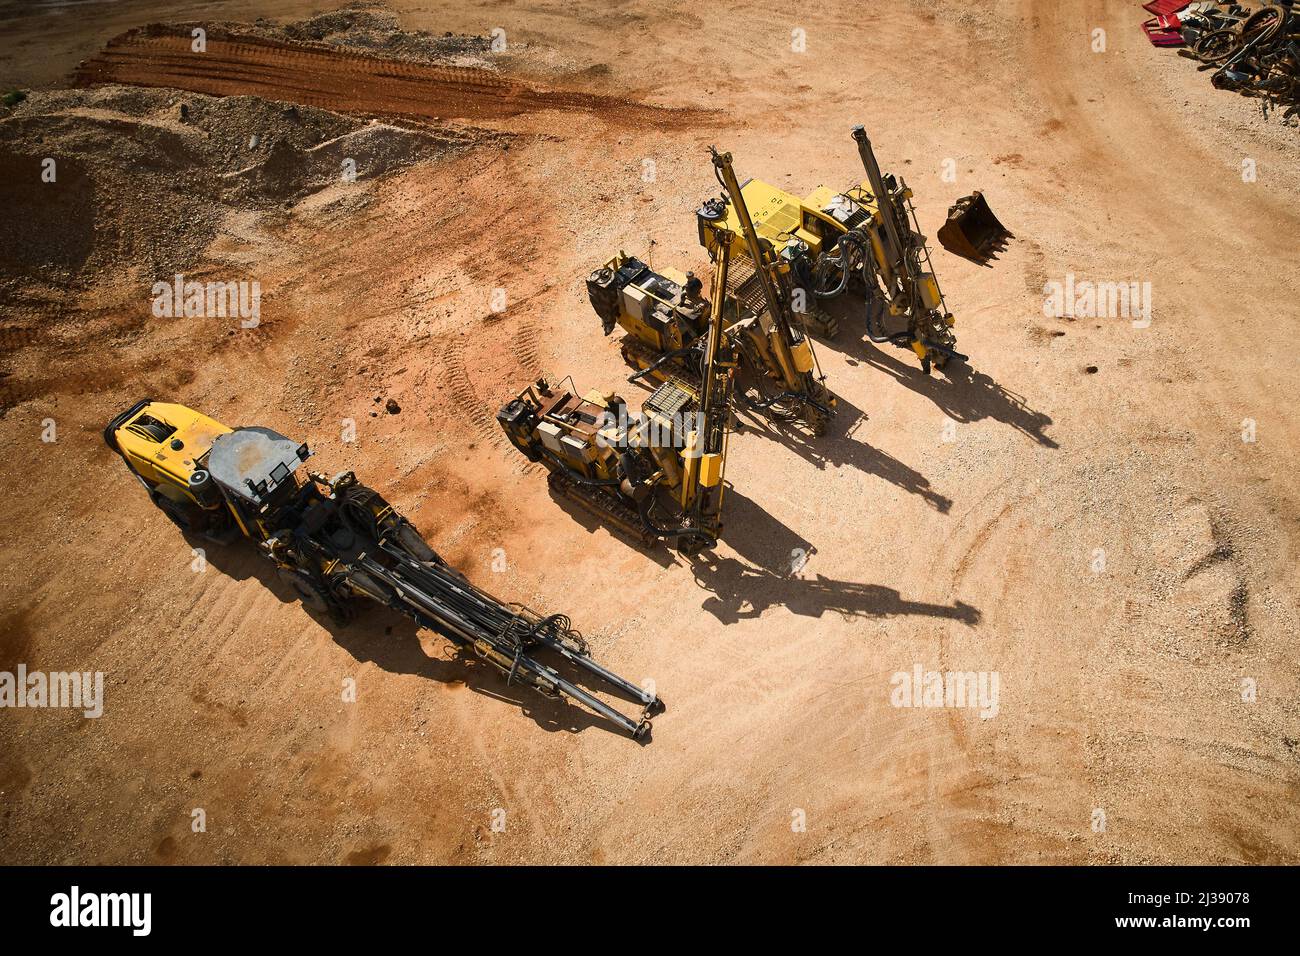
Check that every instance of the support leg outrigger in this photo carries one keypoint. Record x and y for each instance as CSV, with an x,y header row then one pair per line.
x,y
910,287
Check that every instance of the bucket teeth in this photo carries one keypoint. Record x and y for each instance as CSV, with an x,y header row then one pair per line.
x,y
972,231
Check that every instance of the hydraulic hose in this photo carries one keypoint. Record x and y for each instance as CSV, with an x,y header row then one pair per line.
x,y
882,337
643,510
661,361
944,350
854,238
822,267
797,396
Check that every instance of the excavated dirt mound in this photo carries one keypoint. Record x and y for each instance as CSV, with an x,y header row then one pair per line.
x,y
375,28
144,177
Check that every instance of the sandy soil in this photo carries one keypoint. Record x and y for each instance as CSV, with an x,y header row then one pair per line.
x,y
1121,690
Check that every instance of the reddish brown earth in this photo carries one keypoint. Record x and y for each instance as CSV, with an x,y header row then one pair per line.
x,y
335,79
1121,689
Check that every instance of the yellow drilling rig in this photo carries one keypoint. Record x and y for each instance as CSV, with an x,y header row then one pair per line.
x,y
865,240
665,320
335,542
654,476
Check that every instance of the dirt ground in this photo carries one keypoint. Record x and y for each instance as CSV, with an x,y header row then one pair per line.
x,y
953,522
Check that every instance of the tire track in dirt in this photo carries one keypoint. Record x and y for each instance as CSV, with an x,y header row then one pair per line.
x,y
526,348
528,355
983,788
326,77
459,385
1161,211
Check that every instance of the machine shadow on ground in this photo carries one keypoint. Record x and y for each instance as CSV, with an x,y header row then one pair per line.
x,y
840,449
768,573
660,553
959,391
391,641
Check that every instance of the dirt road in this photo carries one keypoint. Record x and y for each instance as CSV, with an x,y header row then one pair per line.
x,y
1076,511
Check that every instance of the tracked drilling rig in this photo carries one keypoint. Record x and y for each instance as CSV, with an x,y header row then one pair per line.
x,y
655,476
664,318
865,240
335,541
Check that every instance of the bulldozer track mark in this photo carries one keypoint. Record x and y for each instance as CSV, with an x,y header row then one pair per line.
x,y
326,77
460,389
527,348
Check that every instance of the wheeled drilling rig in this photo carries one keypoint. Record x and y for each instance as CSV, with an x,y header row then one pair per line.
x,y
336,541
655,476
664,318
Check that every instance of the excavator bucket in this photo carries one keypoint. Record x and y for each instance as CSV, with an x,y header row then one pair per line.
x,y
972,231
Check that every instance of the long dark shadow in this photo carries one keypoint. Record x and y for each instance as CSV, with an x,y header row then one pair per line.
x,y
768,572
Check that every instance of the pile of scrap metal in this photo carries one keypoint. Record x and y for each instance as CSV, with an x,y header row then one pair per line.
x,y
1254,50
